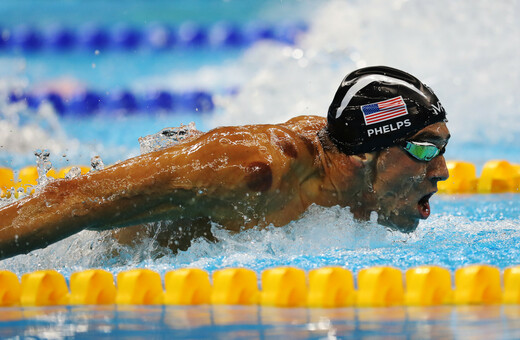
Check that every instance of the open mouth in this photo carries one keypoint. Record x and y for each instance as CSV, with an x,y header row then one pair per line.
x,y
424,206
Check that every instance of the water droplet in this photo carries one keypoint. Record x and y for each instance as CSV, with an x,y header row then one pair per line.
x,y
373,217
73,172
43,165
167,137
97,163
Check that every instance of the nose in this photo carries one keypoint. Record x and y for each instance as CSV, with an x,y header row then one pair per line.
x,y
438,171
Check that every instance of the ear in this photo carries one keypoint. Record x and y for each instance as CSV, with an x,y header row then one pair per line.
x,y
362,160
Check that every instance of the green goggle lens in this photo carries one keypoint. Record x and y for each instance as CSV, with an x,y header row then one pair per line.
x,y
422,151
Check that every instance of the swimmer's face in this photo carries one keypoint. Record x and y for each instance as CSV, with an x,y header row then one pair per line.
x,y
403,185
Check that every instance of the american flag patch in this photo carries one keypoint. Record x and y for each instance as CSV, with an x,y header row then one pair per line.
x,y
387,109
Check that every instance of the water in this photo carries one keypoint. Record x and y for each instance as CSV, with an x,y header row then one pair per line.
x,y
465,230
241,322
467,51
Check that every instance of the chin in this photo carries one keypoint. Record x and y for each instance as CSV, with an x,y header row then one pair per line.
x,y
403,225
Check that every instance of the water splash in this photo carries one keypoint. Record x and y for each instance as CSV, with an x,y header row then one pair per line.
x,y
97,163
461,234
43,165
23,130
73,172
92,249
168,137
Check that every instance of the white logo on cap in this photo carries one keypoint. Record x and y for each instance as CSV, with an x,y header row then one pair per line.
x,y
437,109
366,80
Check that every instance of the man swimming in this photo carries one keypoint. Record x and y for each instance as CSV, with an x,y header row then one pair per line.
x,y
379,150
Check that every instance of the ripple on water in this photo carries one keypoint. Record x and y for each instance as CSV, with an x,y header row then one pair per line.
x,y
322,237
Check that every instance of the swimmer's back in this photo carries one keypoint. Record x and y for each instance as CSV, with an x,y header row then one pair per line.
x,y
231,161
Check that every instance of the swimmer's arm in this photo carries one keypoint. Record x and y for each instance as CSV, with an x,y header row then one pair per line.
x,y
207,177
67,206
220,181
144,189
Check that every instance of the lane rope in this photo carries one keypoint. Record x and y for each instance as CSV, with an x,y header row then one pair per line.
x,y
92,102
155,36
326,287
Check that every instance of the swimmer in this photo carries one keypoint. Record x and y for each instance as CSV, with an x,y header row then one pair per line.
x,y
380,149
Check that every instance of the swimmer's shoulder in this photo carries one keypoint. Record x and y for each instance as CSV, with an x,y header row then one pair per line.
x,y
301,124
301,131
305,129
296,137
306,126
307,121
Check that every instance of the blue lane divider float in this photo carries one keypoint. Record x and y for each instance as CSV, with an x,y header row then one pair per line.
x,y
122,101
155,36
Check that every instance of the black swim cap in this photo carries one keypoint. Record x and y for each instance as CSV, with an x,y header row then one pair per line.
x,y
378,107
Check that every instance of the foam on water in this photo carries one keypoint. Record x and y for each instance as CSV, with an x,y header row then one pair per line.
x,y
322,237
467,51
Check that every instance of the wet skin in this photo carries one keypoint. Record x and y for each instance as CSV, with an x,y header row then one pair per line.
x,y
238,177
402,184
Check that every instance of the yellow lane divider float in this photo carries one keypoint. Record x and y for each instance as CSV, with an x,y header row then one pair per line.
x,y
27,177
498,176
327,287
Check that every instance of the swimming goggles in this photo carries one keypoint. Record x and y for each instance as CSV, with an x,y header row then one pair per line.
x,y
423,151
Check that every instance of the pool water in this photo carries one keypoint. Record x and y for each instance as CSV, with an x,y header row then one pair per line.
x,y
466,51
242,322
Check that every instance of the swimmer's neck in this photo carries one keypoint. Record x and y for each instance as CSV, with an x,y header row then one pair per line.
x,y
342,181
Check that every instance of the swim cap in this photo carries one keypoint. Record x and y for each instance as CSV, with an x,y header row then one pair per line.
x,y
378,107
